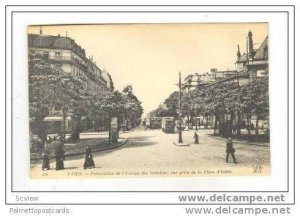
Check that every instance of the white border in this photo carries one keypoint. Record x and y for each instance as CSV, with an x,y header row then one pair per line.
x,y
278,64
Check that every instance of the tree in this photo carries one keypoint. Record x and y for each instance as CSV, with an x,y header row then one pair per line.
x,y
42,79
49,86
169,108
223,100
131,106
171,104
256,100
214,104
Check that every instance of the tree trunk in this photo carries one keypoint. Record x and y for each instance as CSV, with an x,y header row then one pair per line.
x,y
249,124
95,125
64,125
229,133
221,125
109,128
41,133
216,123
239,124
76,129
41,130
256,126
192,120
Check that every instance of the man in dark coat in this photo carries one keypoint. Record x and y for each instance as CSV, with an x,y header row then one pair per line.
x,y
196,137
230,150
88,162
46,161
59,154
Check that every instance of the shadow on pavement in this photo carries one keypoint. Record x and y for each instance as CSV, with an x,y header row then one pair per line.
x,y
134,142
141,141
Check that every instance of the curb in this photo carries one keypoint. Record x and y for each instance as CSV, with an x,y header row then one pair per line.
x,y
81,153
224,139
181,144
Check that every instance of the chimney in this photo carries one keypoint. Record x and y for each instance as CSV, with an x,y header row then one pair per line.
x,y
238,53
250,42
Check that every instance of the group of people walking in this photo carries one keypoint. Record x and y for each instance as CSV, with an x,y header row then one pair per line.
x,y
57,143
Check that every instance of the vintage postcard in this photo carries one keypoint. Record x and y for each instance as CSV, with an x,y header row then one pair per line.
x,y
149,100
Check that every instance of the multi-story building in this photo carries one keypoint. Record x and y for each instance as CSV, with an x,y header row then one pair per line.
x,y
249,66
197,80
254,63
65,53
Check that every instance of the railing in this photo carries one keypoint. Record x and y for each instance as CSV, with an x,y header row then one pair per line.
x,y
70,60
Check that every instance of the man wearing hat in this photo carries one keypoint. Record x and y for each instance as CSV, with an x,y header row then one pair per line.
x,y
230,150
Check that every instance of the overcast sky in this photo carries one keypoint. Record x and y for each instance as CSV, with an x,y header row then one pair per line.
x,y
150,56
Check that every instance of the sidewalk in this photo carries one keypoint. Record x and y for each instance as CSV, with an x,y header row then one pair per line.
x,y
209,133
243,142
97,141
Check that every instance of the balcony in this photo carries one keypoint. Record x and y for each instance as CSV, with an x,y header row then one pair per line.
x,y
68,60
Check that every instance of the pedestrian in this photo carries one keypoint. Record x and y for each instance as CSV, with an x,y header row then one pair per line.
x,y
49,140
262,127
230,150
196,137
46,161
88,162
147,125
144,124
59,154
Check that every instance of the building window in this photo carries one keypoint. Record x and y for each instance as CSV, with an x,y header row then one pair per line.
x,y
57,55
261,73
46,53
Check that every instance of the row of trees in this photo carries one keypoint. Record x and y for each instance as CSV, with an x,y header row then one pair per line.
x,y
50,86
229,103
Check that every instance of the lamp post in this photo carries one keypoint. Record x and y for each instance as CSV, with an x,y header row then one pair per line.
x,y
180,120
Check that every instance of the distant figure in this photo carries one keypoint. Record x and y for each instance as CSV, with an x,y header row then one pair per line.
x,y
49,140
144,124
147,125
230,150
59,155
262,128
88,162
124,126
196,137
46,161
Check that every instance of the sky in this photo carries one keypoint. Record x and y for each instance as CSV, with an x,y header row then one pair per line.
x,y
150,56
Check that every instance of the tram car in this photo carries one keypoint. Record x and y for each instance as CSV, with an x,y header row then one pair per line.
x,y
155,123
168,124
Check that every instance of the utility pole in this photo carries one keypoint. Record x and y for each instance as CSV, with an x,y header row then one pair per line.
x,y
180,120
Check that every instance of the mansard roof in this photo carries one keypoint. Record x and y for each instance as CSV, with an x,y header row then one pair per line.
x,y
55,42
261,52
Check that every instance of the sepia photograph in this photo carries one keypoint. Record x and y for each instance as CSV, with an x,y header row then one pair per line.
x,y
149,100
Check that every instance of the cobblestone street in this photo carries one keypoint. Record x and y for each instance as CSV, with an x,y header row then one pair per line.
x,y
154,153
